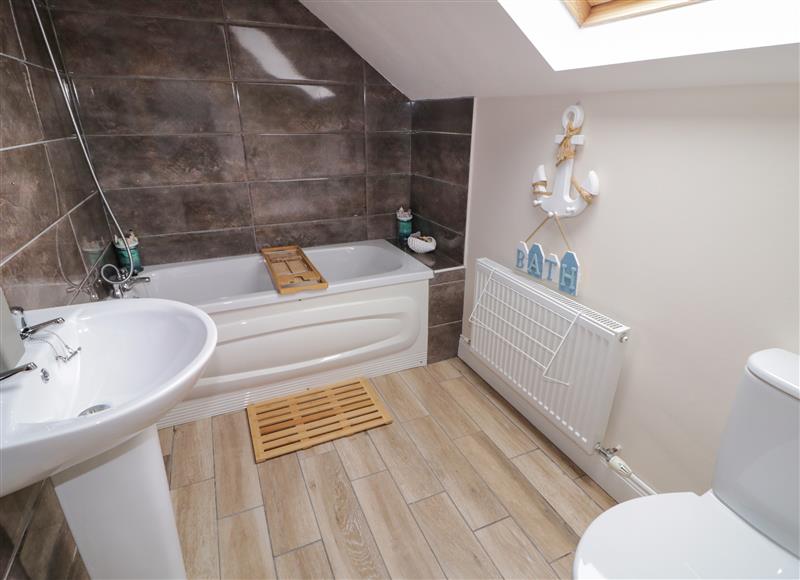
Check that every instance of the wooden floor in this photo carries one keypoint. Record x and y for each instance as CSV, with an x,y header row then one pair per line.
x,y
459,486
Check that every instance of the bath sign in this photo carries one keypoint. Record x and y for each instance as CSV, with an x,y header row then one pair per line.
x,y
566,199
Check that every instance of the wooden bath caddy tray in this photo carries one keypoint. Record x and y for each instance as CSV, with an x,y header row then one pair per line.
x,y
291,270
297,422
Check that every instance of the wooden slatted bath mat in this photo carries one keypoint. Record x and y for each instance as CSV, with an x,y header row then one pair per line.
x,y
281,426
291,270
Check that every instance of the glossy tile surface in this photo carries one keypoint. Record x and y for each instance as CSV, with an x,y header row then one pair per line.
x,y
185,208
403,501
313,233
292,54
125,106
297,156
302,200
273,12
387,109
388,153
296,108
117,44
441,202
19,122
167,159
196,246
444,115
441,156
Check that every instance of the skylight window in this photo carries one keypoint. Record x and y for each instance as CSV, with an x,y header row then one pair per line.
x,y
696,28
592,12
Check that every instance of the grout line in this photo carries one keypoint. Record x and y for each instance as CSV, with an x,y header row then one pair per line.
x,y
41,142
250,181
429,178
26,62
313,509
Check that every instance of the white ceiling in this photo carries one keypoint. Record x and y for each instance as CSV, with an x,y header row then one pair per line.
x,y
448,48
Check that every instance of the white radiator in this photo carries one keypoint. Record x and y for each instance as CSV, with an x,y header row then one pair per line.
x,y
562,357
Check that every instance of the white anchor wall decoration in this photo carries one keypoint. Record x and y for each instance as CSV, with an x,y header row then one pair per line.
x,y
567,199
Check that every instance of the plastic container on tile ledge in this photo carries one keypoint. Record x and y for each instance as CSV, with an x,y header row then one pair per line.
x,y
421,244
403,226
122,253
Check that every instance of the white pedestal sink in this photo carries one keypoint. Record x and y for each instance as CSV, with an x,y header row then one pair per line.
x,y
138,358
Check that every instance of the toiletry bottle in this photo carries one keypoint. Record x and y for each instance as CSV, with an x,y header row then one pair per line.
x,y
403,226
122,253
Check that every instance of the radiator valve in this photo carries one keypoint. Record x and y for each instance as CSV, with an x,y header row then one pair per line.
x,y
615,462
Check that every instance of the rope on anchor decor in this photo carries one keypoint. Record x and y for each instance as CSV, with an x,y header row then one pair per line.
x,y
560,203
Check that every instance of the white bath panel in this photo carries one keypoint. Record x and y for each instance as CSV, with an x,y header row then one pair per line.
x,y
194,409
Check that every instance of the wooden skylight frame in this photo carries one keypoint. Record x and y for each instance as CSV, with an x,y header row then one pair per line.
x,y
594,12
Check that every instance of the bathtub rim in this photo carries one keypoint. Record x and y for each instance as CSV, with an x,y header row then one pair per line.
x,y
411,271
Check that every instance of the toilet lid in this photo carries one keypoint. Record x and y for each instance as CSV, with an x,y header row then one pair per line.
x,y
678,535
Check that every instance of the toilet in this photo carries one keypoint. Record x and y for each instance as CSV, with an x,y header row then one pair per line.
x,y
746,525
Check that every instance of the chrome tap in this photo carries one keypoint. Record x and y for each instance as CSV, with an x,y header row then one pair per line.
x,y
118,289
16,370
29,331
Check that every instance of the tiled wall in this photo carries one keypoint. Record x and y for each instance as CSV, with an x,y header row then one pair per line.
x,y
440,157
52,230
218,127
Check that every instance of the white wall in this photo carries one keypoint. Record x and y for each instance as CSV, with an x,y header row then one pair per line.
x,y
693,243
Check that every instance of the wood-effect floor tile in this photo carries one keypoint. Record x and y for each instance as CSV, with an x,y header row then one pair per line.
x,y
468,491
404,461
192,453
348,541
234,467
597,493
320,449
456,547
307,563
443,371
538,438
358,455
563,567
165,439
244,551
289,513
511,440
572,504
402,403
535,516
512,552
403,547
196,519
441,405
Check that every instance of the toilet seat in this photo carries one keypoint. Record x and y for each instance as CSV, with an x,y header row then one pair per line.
x,y
678,535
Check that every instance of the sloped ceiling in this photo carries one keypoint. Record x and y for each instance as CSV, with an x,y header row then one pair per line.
x,y
449,48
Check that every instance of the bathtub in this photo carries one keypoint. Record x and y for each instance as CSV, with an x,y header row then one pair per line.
x,y
372,320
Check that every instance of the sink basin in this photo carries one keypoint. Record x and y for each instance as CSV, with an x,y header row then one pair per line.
x,y
138,358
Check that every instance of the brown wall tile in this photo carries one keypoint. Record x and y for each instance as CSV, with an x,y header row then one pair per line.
x,y
196,246
441,202
373,77
180,8
272,12
27,196
113,44
444,115
386,193
303,156
447,241
313,233
441,156
292,54
19,123
30,35
71,174
91,230
382,227
33,278
387,109
184,208
443,341
445,303
50,103
448,276
9,41
388,153
309,199
110,106
167,159
301,108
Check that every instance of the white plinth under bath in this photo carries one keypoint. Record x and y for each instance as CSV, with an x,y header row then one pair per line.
x,y
119,510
